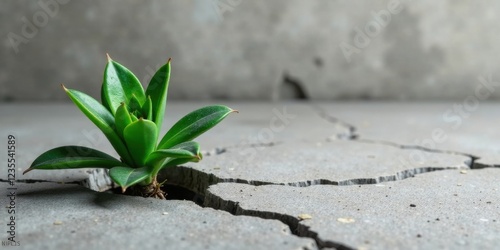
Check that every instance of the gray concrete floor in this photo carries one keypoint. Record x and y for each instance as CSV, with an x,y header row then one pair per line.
x,y
275,176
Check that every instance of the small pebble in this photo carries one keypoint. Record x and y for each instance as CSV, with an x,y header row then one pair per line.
x,y
463,171
165,213
413,205
304,216
57,223
346,220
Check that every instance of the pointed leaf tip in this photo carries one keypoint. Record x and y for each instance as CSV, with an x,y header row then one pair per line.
x,y
108,57
120,85
194,124
27,170
102,118
69,157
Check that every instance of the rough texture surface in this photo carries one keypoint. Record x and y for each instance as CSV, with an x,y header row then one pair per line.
x,y
396,49
346,173
464,127
444,209
53,216
302,164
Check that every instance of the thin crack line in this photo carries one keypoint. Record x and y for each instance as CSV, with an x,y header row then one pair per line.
x,y
199,181
415,147
297,228
321,112
478,165
29,181
356,137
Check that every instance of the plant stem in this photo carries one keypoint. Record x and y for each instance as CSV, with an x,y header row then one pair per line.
x,y
151,190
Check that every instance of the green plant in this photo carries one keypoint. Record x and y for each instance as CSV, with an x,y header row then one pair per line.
x,y
131,120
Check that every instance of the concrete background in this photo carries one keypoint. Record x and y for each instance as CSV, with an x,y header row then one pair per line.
x,y
254,49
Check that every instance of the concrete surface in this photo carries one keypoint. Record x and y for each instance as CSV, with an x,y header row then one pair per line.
x,y
330,160
439,210
55,216
465,127
302,164
242,49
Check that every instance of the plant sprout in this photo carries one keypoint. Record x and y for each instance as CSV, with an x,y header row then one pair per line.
x,y
131,119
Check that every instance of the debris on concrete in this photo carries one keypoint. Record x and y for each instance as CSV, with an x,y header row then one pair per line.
x,y
304,217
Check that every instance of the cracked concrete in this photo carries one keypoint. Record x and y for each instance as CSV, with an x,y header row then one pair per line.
x,y
445,127
318,162
302,164
55,216
443,209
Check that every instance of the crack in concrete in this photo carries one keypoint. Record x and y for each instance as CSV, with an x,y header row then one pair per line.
x,y
97,180
402,146
30,181
478,165
356,137
297,228
416,147
199,181
321,112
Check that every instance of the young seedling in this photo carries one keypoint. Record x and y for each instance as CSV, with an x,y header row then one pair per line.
x,y
131,120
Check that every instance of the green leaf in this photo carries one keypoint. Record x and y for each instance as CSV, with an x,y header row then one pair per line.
x,y
134,118
119,85
134,104
140,137
147,110
102,118
157,89
126,176
189,150
194,124
122,119
73,157
104,101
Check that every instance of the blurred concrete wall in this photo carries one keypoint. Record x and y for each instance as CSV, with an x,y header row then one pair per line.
x,y
255,49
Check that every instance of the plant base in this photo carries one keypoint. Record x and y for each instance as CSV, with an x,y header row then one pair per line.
x,y
152,190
